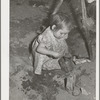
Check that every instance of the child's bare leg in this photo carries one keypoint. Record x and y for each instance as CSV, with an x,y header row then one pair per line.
x,y
38,66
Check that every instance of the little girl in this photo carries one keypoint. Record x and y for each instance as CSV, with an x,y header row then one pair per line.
x,y
50,46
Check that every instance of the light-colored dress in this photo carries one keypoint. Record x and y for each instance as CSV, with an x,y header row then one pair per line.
x,y
43,61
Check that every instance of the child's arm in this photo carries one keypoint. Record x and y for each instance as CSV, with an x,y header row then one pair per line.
x,y
43,50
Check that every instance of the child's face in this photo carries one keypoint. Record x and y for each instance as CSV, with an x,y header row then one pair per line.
x,y
61,33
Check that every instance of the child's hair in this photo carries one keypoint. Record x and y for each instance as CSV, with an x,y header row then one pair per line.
x,y
57,20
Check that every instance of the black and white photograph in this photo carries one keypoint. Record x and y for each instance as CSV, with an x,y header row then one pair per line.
x,y
53,50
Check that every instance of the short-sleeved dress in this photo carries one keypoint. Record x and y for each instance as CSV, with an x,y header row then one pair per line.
x,y
44,61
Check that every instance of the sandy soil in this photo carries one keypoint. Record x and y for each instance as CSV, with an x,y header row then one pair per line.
x,y
25,20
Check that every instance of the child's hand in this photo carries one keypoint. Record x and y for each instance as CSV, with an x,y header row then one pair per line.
x,y
57,55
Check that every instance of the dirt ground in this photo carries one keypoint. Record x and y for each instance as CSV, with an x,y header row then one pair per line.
x,y
25,20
